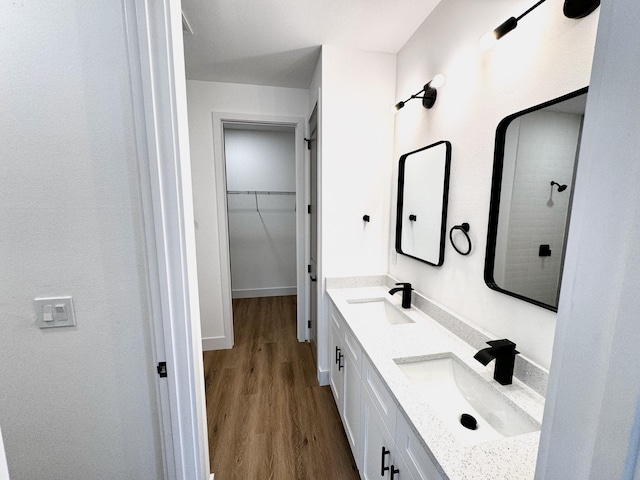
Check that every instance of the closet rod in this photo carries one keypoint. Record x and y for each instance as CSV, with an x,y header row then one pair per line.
x,y
258,192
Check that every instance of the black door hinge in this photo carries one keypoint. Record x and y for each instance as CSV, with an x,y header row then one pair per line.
x,y
308,140
308,323
308,268
309,209
162,369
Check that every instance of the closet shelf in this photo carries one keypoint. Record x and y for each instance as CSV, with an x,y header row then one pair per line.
x,y
255,193
258,192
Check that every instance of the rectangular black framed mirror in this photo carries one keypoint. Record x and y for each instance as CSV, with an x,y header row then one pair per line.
x,y
423,189
535,159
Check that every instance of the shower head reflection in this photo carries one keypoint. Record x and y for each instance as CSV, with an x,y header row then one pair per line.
x,y
561,188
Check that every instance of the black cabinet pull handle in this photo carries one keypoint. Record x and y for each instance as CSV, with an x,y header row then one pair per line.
x,y
337,353
383,469
340,365
394,470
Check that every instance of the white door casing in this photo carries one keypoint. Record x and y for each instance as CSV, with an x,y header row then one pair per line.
x,y
312,243
218,121
154,42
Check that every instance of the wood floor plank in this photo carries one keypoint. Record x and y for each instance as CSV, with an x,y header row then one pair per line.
x,y
267,416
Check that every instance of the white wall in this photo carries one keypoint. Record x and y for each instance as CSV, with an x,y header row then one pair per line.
x,y
75,403
205,98
357,133
592,417
547,56
357,145
262,228
316,85
261,159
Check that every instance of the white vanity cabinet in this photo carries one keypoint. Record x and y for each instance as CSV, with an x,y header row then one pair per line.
x,y
381,458
345,379
377,442
416,458
383,443
336,378
393,430
391,449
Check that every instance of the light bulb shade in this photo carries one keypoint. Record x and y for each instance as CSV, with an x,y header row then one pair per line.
x,y
438,81
505,27
487,41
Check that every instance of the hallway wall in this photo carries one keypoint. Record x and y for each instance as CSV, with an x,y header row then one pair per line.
x,y
355,163
76,403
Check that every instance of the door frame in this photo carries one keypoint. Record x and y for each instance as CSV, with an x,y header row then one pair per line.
x,y
219,119
158,91
311,182
158,88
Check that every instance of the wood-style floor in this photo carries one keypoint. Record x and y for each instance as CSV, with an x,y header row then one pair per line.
x,y
268,418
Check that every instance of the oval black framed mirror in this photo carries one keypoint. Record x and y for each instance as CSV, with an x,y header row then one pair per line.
x,y
535,159
423,189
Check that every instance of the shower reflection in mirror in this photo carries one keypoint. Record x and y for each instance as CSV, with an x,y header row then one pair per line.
x,y
532,191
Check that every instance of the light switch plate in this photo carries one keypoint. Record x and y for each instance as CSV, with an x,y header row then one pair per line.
x,y
58,310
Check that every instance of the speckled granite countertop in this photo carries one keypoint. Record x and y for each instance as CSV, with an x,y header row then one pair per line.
x,y
508,458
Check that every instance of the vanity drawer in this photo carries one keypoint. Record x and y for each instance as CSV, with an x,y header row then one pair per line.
x,y
415,456
381,397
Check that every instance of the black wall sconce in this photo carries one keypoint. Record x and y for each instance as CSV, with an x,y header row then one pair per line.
x,y
571,9
429,93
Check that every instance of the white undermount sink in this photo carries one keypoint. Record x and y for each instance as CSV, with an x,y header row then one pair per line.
x,y
379,309
451,388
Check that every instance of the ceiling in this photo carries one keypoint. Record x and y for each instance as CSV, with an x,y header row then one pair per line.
x,y
277,42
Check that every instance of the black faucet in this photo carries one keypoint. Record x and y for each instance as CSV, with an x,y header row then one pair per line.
x,y
504,351
406,293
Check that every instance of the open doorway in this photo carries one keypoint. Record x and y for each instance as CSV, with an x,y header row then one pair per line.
x,y
260,164
255,211
262,193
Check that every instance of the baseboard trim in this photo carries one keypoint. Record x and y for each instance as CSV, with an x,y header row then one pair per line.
x,y
264,292
323,377
215,343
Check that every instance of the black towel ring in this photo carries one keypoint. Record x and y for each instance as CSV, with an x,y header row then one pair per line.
x,y
464,228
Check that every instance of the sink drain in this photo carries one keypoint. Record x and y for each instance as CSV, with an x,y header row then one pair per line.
x,y
468,421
